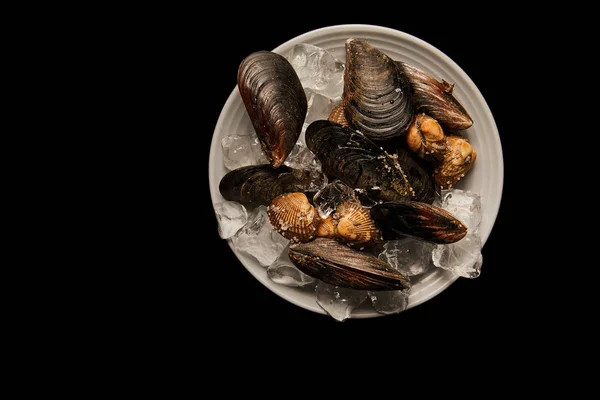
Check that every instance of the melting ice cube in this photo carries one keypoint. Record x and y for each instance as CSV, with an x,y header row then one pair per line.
x,y
409,256
338,301
284,272
242,150
231,216
258,238
317,69
463,258
389,301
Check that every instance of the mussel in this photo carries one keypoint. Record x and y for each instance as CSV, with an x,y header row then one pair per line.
x,y
257,185
275,101
420,220
436,98
338,264
358,162
377,94
426,138
458,160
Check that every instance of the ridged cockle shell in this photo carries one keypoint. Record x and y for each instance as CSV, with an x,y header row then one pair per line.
x,y
294,217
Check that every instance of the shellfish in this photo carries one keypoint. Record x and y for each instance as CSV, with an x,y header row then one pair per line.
x,y
458,160
296,219
426,138
377,94
257,185
436,98
355,225
338,115
337,264
275,102
416,219
358,162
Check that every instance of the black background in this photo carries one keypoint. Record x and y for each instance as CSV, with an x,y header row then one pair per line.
x,y
464,313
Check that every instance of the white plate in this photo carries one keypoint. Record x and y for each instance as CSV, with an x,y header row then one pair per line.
x,y
485,178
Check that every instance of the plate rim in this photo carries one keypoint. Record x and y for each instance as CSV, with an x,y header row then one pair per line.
x,y
403,36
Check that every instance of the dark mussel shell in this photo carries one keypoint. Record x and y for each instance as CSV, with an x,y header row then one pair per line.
x,y
420,179
339,265
377,95
436,98
358,162
275,101
257,185
423,221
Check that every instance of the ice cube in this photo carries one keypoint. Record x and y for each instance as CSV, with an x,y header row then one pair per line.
x,y
409,256
258,238
463,258
338,301
389,301
231,216
328,198
302,158
284,272
464,205
366,196
240,150
302,138
319,106
317,69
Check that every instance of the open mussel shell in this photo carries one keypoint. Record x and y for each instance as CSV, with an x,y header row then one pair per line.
x,y
257,185
377,95
352,158
426,138
275,101
339,265
458,160
435,98
420,220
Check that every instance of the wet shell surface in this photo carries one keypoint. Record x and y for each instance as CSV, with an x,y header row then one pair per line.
x,y
377,95
352,158
420,220
426,138
275,102
355,225
458,160
338,115
436,98
294,217
339,265
257,185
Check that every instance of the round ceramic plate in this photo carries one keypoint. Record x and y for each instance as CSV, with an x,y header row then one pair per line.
x,y
485,178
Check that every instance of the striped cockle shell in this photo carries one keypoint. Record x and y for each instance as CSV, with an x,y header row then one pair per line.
x,y
294,217
355,225
338,115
